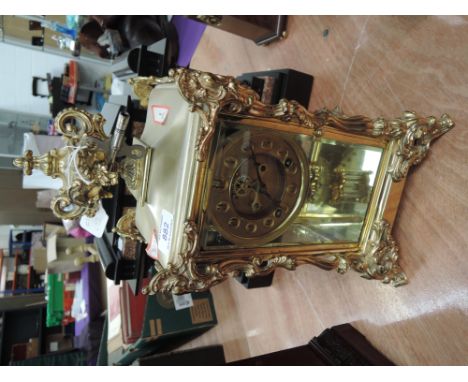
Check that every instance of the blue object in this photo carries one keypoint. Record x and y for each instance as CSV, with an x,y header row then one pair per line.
x,y
62,29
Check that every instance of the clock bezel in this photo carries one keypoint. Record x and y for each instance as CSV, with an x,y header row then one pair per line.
x,y
295,210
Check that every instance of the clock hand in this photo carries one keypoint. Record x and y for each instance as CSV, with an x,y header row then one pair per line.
x,y
259,189
276,203
262,189
256,202
257,165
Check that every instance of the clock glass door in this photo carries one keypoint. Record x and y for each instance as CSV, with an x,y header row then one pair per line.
x,y
270,188
342,177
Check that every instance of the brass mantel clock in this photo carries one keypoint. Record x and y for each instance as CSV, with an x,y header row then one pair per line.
x,y
231,185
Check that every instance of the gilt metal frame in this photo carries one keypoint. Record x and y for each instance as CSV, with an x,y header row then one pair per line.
x,y
405,140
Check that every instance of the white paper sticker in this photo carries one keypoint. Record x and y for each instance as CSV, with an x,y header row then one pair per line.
x,y
97,224
160,114
120,244
152,247
182,301
165,232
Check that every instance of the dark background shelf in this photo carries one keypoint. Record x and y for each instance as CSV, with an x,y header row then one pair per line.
x,y
18,327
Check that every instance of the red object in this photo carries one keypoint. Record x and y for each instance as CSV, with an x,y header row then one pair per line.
x,y
72,81
68,296
18,352
132,309
73,277
160,114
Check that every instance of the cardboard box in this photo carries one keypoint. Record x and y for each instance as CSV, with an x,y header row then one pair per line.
x,y
58,342
32,349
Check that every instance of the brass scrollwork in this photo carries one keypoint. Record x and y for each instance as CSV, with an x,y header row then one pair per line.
x,y
417,135
81,165
187,275
380,258
126,227
91,125
210,94
142,87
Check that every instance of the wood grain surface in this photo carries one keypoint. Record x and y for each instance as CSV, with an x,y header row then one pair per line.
x,y
376,66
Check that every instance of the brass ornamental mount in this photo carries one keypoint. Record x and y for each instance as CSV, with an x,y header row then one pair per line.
x,y
86,172
126,227
83,164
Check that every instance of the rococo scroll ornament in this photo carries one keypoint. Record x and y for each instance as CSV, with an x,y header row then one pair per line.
x,y
187,275
85,165
81,165
210,94
126,227
380,258
417,135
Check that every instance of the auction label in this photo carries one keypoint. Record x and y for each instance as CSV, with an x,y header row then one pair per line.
x,y
159,114
165,232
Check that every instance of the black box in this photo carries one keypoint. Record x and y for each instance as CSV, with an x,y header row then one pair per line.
x,y
288,83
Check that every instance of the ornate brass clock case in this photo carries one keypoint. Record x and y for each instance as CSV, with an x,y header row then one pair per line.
x,y
351,172
234,185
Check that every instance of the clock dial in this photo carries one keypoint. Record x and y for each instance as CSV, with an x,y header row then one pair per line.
x,y
258,186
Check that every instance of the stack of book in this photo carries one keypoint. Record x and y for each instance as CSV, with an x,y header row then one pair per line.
x,y
141,325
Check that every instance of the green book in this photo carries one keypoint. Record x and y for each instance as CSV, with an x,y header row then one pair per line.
x,y
54,300
165,328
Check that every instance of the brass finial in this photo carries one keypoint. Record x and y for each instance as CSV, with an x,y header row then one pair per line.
x,y
26,162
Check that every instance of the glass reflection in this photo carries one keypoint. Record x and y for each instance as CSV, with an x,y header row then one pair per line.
x,y
338,191
342,179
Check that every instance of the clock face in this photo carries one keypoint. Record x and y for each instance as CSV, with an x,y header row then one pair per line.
x,y
258,186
